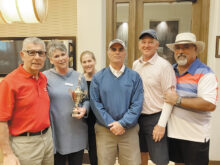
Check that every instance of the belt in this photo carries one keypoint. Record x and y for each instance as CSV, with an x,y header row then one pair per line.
x,y
34,133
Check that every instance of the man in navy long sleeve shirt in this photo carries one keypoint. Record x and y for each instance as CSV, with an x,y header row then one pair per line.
x,y
116,99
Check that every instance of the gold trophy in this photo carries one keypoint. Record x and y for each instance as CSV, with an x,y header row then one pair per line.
x,y
77,95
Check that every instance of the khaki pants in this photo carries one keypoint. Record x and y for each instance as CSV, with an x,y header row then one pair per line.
x,y
126,146
34,150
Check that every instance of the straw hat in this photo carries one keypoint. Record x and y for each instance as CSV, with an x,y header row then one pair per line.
x,y
187,38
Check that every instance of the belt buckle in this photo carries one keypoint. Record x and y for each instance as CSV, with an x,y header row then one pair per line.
x,y
28,133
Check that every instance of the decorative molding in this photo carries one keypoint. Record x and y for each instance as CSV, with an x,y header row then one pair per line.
x,y
217,51
211,162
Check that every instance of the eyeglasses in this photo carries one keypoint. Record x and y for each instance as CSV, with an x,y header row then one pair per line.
x,y
35,52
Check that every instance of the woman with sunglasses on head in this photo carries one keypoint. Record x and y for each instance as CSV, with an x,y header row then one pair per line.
x,y
88,62
70,134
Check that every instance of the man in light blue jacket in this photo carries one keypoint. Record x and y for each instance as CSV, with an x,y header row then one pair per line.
x,y
116,99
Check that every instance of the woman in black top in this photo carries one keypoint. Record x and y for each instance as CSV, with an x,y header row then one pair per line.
x,y
88,62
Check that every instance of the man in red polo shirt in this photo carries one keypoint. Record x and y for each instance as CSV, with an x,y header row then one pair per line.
x,y
25,136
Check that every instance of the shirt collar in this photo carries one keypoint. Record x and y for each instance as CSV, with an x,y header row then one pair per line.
x,y
116,72
25,73
194,66
192,69
68,74
152,60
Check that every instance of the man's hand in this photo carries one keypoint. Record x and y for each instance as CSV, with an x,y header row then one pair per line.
x,y
10,159
158,133
79,112
171,96
8,156
116,128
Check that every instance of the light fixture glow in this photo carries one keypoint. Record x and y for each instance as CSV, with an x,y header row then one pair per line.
x,y
9,11
41,9
162,26
25,11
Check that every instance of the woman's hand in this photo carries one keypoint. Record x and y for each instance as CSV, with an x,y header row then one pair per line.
x,y
79,112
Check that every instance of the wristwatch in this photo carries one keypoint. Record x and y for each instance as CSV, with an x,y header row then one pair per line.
x,y
178,101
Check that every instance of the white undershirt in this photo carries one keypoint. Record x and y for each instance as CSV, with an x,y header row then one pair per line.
x,y
116,72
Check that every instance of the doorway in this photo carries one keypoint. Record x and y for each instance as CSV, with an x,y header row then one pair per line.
x,y
125,19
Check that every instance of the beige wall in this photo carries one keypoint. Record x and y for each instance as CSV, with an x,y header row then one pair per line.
x,y
91,30
214,63
61,21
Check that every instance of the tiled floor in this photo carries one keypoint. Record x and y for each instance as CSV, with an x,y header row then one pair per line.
x,y
149,163
86,156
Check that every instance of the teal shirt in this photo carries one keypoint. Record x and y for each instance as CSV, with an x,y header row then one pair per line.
x,y
116,99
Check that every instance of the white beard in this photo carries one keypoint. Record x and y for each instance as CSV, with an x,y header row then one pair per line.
x,y
181,60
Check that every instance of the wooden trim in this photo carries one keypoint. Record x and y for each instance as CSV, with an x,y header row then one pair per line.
x,y
217,48
211,162
115,18
73,38
131,32
200,24
156,1
139,26
204,33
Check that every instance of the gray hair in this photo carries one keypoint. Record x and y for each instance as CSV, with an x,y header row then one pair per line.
x,y
55,45
33,40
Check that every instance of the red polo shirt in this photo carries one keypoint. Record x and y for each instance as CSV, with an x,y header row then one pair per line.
x,y
24,102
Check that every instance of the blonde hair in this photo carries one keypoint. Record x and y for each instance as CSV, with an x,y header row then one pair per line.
x,y
87,52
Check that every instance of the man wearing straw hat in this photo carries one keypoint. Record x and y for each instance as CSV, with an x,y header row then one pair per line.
x,y
194,100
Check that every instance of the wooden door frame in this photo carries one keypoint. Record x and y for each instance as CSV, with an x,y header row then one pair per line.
x,y
200,25
111,19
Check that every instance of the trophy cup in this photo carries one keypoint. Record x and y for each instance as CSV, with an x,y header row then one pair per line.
x,y
77,95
